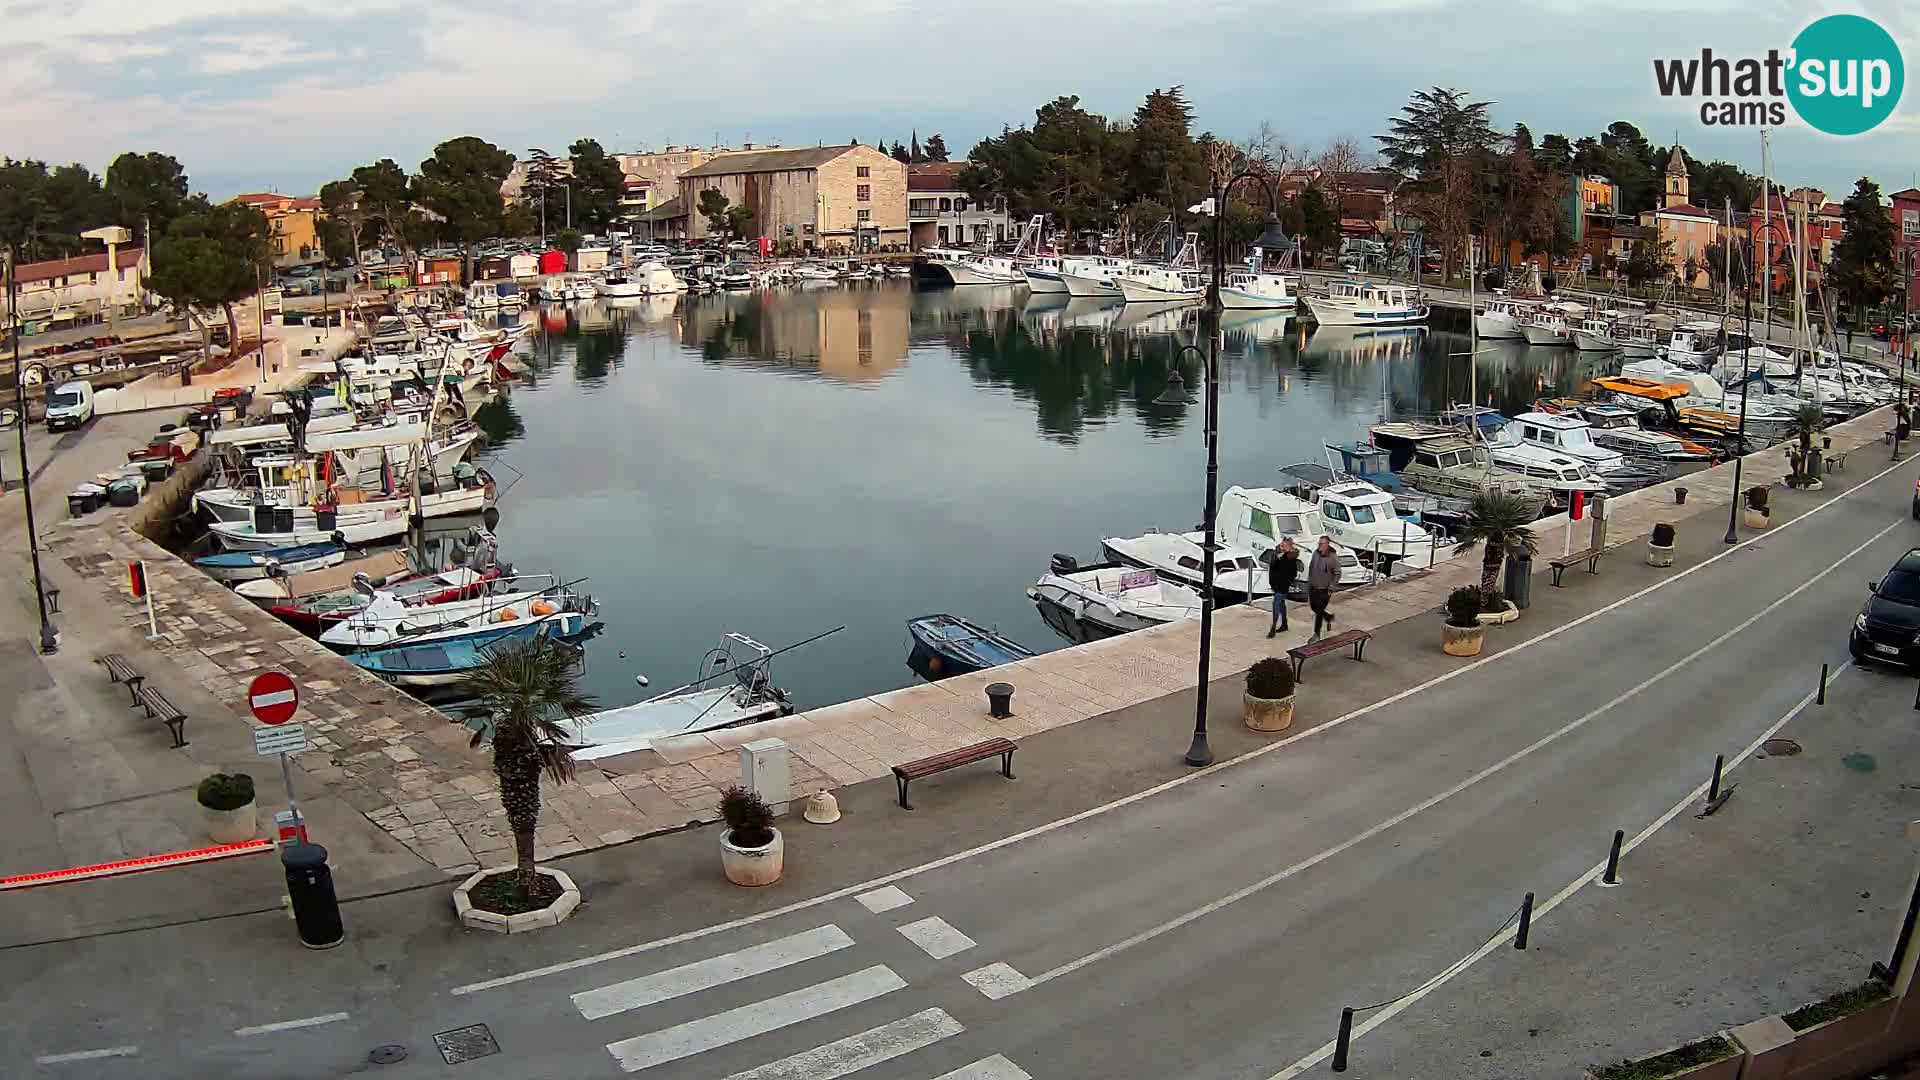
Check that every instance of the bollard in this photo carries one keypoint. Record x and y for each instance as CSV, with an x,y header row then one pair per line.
x,y
1000,700
1340,1041
1679,496
1820,700
1526,922
310,892
1612,876
1916,699
1713,792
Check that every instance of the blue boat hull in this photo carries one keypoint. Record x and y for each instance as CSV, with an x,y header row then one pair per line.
x,y
946,645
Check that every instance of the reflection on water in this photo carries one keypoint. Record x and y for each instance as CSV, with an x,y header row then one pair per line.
x,y
988,431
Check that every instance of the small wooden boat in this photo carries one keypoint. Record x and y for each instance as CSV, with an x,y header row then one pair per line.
x,y
946,645
236,566
446,661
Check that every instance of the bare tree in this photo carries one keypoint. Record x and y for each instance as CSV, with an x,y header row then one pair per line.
x,y
1339,165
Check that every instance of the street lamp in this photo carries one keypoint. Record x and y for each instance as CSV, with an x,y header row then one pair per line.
x,y
49,643
1901,413
1740,436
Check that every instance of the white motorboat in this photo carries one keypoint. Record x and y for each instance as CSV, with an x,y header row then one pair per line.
x,y
554,290
1566,435
1093,275
1043,274
1595,334
745,694
1237,575
1552,325
1363,517
1692,344
1161,284
654,279
971,269
253,567
814,272
1110,598
1248,289
734,276
389,620
1503,316
483,296
1441,461
1257,519
350,529
617,285
1618,428
384,566
1358,303
581,287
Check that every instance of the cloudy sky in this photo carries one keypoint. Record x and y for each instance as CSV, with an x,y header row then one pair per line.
x,y
251,95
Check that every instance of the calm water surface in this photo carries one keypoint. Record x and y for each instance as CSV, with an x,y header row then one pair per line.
x,y
781,462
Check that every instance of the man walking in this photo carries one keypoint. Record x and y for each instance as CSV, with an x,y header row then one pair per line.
x,y
1283,569
1321,574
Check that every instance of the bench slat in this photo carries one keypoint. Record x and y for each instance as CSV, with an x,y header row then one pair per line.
x,y
1573,558
1327,645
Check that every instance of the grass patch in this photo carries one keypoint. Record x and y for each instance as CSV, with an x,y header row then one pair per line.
x,y
1705,1052
502,894
1845,1003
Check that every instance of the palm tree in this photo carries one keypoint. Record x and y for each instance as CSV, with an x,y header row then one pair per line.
x,y
527,689
1499,520
1807,422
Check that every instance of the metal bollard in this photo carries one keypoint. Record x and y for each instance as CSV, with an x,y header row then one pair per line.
x,y
1526,922
1340,1041
1612,876
1713,791
310,892
1820,700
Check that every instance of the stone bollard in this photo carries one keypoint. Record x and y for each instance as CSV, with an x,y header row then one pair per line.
x,y
765,771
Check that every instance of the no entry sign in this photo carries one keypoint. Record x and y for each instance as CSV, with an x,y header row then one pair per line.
x,y
273,697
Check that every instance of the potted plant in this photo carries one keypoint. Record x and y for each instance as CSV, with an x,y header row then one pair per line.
x,y
1757,515
1500,521
751,849
226,801
1269,696
1462,634
1807,420
1660,545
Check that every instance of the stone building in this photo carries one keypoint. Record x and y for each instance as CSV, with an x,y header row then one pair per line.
x,y
827,198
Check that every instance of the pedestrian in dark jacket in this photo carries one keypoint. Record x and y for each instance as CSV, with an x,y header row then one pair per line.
x,y
1322,572
1283,569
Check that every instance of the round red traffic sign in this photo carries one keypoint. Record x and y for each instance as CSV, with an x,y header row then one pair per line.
x,y
273,697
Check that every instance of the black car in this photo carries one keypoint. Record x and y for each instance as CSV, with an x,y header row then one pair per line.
x,y
1888,626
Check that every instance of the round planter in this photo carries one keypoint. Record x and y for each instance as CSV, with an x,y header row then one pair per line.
x,y
1268,714
552,915
1499,618
753,866
1659,556
1462,640
234,826
1756,519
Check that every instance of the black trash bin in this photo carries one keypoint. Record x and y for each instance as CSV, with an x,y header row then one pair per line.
x,y
310,890
324,518
1519,583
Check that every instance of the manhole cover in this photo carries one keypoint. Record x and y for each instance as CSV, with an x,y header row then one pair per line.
x,y
390,1054
466,1043
1780,747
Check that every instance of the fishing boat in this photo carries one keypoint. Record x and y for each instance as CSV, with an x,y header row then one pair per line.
x,y
232,567
971,269
1094,276
1043,275
946,645
1552,325
735,687
1161,284
1692,344
1441,461
1353,303
386,620
1084,603
1637,339
1595,334
1503,316
352,530
448,661
312,615
1247,289
1237,575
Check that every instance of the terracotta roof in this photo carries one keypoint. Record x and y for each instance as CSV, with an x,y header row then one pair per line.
x,y
84,264
764,161
1910,193
935,176
1687,210
267,200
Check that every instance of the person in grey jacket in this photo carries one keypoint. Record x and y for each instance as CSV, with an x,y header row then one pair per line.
x,y
1322,572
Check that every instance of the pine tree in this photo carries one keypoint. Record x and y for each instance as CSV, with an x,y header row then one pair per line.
x,y
1863,264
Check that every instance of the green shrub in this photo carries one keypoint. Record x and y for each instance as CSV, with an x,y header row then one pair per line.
x,y
1271,678
1705,1052
1492,603
1757,498
1833,1007
225,791
749,819
1663,535
1463,606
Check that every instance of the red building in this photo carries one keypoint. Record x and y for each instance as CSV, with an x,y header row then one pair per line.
x,y
1906,238
1804,221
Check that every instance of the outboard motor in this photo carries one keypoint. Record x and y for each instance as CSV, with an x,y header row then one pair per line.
x,y
363,584
1063,564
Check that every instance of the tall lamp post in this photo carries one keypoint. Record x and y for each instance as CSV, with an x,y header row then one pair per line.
x,y
1901,412
49,644
1199,753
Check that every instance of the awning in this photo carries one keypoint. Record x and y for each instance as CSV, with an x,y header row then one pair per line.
x,y
366,438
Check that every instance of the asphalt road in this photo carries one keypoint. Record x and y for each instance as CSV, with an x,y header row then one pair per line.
x,y
1210,928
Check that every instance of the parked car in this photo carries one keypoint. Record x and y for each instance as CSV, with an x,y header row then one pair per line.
x,y
69,405
1889,620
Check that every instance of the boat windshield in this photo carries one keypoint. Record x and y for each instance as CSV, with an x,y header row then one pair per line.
x,y
1362,514
1576,439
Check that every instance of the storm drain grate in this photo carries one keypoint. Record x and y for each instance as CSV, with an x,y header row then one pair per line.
x,y
466,1043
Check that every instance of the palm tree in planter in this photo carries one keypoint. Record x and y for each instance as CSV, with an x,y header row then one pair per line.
x,y
526,689
1498,521
1807,422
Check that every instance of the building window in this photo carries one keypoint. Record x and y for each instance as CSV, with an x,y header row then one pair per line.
x,y
863,193
865,215
960,205
943,234
946,205
862,171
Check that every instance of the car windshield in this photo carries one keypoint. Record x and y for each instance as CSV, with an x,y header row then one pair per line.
x,y
63,399
1900,587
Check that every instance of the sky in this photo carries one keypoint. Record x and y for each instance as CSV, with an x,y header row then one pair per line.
x,y
251,96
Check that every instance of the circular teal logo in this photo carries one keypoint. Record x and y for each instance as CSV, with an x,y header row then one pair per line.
x,y
1847,74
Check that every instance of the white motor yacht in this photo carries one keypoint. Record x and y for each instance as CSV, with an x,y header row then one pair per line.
x,y
1111,598
1237,575
1257,519
1570,436
1363,517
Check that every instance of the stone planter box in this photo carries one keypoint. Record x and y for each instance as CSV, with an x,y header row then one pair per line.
x,y
552,915
1268,714
1726,1068
1848,1046
234,826
1462,640
1659,556
1499,618
753,866
1755,519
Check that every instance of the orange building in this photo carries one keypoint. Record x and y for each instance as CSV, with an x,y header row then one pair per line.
x,y
293,223
1804,221
1686,228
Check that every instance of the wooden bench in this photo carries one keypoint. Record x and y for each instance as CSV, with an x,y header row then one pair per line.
x,y
1303,653
158,707
1590,556
119,671
1836,460
953,759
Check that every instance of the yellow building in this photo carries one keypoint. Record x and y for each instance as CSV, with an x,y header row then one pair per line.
x,y
292,223
1686,228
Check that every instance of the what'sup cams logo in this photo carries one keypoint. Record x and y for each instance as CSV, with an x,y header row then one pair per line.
x,y
1842,76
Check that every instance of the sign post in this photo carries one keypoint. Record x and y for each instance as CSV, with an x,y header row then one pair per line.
x,y
137,582
274,698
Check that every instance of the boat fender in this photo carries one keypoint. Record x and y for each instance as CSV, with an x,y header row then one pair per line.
x,y
506,615
541,607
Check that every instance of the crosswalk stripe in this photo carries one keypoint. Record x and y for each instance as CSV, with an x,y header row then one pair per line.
x,y
720,1029
855,1052
988,1068
936,936
705,974
884,899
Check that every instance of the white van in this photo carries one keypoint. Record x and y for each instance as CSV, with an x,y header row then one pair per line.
x,y
69,405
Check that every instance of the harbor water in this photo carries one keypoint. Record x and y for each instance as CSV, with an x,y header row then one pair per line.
x,y
779,462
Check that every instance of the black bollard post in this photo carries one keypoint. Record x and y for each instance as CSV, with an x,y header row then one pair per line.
x,y
316,912
1916,699
1526,922
1340,1041
1822,699
1612,876
1713,792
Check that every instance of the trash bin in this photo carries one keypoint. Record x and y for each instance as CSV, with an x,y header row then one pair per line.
x,y
1518,586
310,891
324,518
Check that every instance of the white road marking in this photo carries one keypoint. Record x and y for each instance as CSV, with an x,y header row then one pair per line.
x,y
988,1068
289,1025
86,1055
843,1057
1159,789
720,1029
1691,800
996,981
1427,804
936,937
886,899
706,974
